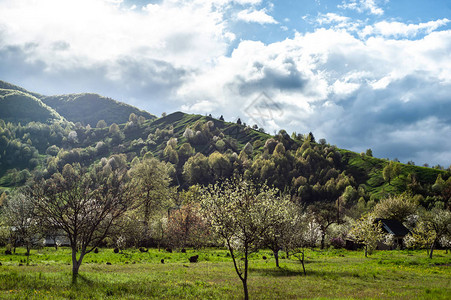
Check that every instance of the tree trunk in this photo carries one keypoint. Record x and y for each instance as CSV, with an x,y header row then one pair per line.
x,y
76,263
302,262
431,250
246,292
366,251
75,267
246,264
323,237
276,256
28,254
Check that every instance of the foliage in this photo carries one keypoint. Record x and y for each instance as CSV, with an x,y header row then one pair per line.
x,y
391,171
240,214
395,207
90,108
187,227
151,181
17,106
20,217
368,232
433,226
85,205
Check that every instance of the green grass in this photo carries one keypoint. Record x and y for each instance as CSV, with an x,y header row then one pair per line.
x,y
367,171
134,275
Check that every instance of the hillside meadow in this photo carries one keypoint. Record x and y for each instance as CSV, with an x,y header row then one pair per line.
x,y
131,274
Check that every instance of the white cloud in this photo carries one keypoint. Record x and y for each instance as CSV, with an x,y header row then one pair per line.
x,y
98,31
353,89
354,92
329,18
256,16
398,29
361,6
243,2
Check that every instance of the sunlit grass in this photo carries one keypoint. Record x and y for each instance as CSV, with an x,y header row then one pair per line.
x,y
136,275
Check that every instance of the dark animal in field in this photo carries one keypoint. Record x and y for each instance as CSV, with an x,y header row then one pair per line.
x,y
194,259
108,263
116,250
183,250
8,252
162,261
264,257
96,250
169,250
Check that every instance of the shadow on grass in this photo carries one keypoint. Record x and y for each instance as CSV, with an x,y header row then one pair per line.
x,y
288,272
277,272
81,279
85,287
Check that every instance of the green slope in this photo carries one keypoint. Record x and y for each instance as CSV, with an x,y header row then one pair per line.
x,y
91,108
8,86
179,121
17,106
152,135
367,171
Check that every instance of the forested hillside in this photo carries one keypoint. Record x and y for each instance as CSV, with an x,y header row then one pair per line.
x,y
91,108
200,150
86,108
16,106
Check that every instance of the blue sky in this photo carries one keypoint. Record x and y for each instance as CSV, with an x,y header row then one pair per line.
x,y
360,73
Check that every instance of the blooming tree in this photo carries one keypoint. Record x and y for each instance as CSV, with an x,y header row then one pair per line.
x,y
240,213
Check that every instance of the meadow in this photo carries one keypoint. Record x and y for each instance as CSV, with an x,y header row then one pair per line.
x,y
132,274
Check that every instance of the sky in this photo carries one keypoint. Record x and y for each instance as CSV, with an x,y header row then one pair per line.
x,y
359,73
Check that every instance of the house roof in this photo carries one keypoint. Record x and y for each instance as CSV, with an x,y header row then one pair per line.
x,y
394,227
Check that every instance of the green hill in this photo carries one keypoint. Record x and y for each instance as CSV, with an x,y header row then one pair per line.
x,y
17,106
91,108
8,86
200,149
368,173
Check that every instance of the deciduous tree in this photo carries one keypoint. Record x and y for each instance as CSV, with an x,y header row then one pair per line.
x,y
151,181
395,207
20,216
433,226
391,171
85,205
368,232
240,214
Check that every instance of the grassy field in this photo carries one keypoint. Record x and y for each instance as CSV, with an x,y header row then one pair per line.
x,y
134,275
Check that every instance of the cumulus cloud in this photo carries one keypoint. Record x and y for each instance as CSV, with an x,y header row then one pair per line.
x,y
383,86
398,29
361,6
354,92
111,48
256,16
330,18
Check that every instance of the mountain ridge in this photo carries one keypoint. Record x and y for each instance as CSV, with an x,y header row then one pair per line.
x,y
86,108
201,149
